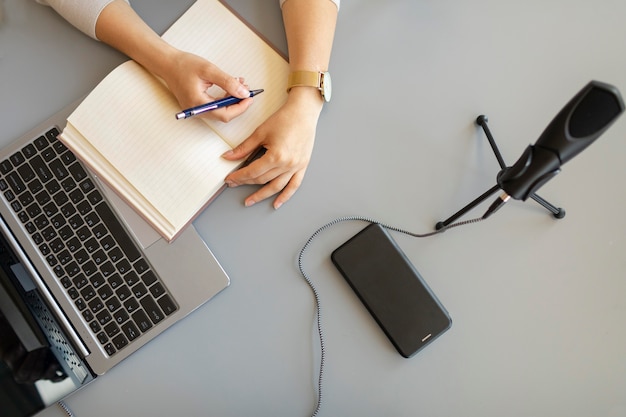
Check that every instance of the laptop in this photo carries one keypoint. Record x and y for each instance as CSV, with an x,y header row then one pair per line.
x,y
84,281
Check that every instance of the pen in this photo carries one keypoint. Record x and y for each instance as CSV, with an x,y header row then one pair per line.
x,y
217,104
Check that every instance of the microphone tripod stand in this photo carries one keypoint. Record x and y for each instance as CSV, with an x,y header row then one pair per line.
x,y
481,120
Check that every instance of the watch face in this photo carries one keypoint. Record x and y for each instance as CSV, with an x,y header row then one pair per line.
x,y
327,86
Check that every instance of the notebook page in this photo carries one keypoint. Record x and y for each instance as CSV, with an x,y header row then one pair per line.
x,y
212,31
176,166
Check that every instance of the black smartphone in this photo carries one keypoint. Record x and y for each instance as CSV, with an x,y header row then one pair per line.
x,y
391,289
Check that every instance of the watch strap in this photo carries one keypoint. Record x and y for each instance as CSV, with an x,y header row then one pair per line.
x,y
304,79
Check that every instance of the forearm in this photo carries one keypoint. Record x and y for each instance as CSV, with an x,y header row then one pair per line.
x,y
119,26
310,29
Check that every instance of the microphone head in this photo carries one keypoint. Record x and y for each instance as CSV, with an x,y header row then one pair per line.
x,y
599,106
583,119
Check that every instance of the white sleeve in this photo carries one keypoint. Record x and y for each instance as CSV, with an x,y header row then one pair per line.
x,y
334,1
83,14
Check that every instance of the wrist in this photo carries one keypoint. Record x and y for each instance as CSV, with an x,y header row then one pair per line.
x,y
306,98
160,59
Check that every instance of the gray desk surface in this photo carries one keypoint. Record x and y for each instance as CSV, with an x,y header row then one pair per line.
x,y
538,304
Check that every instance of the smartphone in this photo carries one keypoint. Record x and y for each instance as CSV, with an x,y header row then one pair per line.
x,y
391,289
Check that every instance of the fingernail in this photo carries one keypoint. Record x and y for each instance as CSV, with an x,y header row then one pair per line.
x,y
243,91
277,205
249,203
228,153
229,183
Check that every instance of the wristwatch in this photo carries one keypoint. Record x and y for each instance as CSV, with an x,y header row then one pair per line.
x,y
316,79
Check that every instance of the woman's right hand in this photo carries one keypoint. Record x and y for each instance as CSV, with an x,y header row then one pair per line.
x,y
189,76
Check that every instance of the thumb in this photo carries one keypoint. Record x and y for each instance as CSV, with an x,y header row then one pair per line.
x,y
234,87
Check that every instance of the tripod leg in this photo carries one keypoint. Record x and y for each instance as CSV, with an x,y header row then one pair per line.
x,y
482,122
557,212
467,208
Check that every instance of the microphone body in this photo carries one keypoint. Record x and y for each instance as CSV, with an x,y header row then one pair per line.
x,y
583,119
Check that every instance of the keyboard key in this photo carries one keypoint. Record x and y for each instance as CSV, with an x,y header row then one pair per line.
x,y
111,329
131,305
58,147
157,290
52,134
67,158
109,349
26,172
120,316
139,290
29,151
96,305
43,197
102,338
152,310
131,278
123,293
103,318
113,304
95,327
104,292
149,278
41,169
77,171
15,182
40,143
6,166
35,186
80,281
115,281
88,293
142,321
142,266
167,304
120,342
130,330
17,158
53,186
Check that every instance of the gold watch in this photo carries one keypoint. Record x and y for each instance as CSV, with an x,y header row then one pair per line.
x,y
316,79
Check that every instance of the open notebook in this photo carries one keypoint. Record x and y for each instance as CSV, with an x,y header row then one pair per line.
x,y
169,170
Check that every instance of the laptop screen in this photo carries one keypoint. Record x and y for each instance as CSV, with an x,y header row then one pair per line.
x,y
35,370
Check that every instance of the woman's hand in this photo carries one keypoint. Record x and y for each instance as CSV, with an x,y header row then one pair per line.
x,y
189,76
288,137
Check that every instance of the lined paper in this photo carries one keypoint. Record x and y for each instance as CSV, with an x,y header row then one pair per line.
x,y
169,169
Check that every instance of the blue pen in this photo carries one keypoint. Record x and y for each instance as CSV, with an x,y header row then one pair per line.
x,y
217,104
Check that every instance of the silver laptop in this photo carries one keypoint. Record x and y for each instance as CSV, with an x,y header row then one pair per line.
x,y
84,281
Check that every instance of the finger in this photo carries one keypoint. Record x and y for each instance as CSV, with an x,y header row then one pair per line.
x,y
228,113
244,149
232,85
273,187
254,174
289,190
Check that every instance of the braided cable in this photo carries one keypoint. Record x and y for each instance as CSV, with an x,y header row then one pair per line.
x,y
65,408
318,309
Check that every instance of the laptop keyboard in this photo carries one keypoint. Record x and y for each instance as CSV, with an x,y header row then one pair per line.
x,y
83,242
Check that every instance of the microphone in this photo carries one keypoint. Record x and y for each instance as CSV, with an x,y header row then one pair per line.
x,y
583,119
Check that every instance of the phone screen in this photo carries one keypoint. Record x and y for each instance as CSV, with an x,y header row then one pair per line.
x,y
391,289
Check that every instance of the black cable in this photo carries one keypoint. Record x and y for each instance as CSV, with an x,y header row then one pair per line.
x,y
316,294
